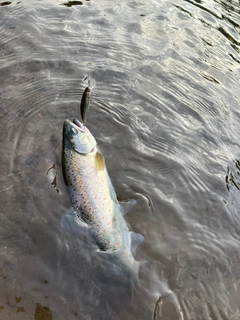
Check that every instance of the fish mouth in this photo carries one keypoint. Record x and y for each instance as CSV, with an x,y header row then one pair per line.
x,y
78,124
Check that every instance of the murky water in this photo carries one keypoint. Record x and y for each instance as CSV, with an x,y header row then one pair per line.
x,y
165,113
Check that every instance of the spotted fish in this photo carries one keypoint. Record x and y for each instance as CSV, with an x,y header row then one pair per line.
x,y
93,197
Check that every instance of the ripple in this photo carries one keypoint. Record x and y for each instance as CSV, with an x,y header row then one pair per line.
x,y
165,115
202,278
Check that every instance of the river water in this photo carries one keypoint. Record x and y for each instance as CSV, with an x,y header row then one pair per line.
x,y
165,113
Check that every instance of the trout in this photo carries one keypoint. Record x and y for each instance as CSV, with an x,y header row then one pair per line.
x,y
94,202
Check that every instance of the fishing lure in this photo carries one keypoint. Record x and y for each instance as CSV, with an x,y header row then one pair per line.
x,y
84,106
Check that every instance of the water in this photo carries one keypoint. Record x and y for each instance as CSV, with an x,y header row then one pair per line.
x,y
165,113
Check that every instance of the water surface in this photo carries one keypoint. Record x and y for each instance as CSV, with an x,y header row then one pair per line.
x,y
165,113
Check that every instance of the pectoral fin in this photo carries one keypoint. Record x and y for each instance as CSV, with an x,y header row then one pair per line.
x,y
136,240
72,217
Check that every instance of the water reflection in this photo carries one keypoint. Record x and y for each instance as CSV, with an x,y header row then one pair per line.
x,y
165,114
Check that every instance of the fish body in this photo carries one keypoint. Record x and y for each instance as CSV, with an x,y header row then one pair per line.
x,y
93,196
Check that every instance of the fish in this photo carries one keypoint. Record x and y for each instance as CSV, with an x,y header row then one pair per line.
x,y
84,106
94,201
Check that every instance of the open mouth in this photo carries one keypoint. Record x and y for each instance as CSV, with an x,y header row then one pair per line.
x,y
78,124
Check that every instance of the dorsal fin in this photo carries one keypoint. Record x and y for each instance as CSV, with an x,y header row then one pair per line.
x,y
99,160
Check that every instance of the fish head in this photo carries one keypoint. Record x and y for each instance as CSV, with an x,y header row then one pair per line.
x,y
78,137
